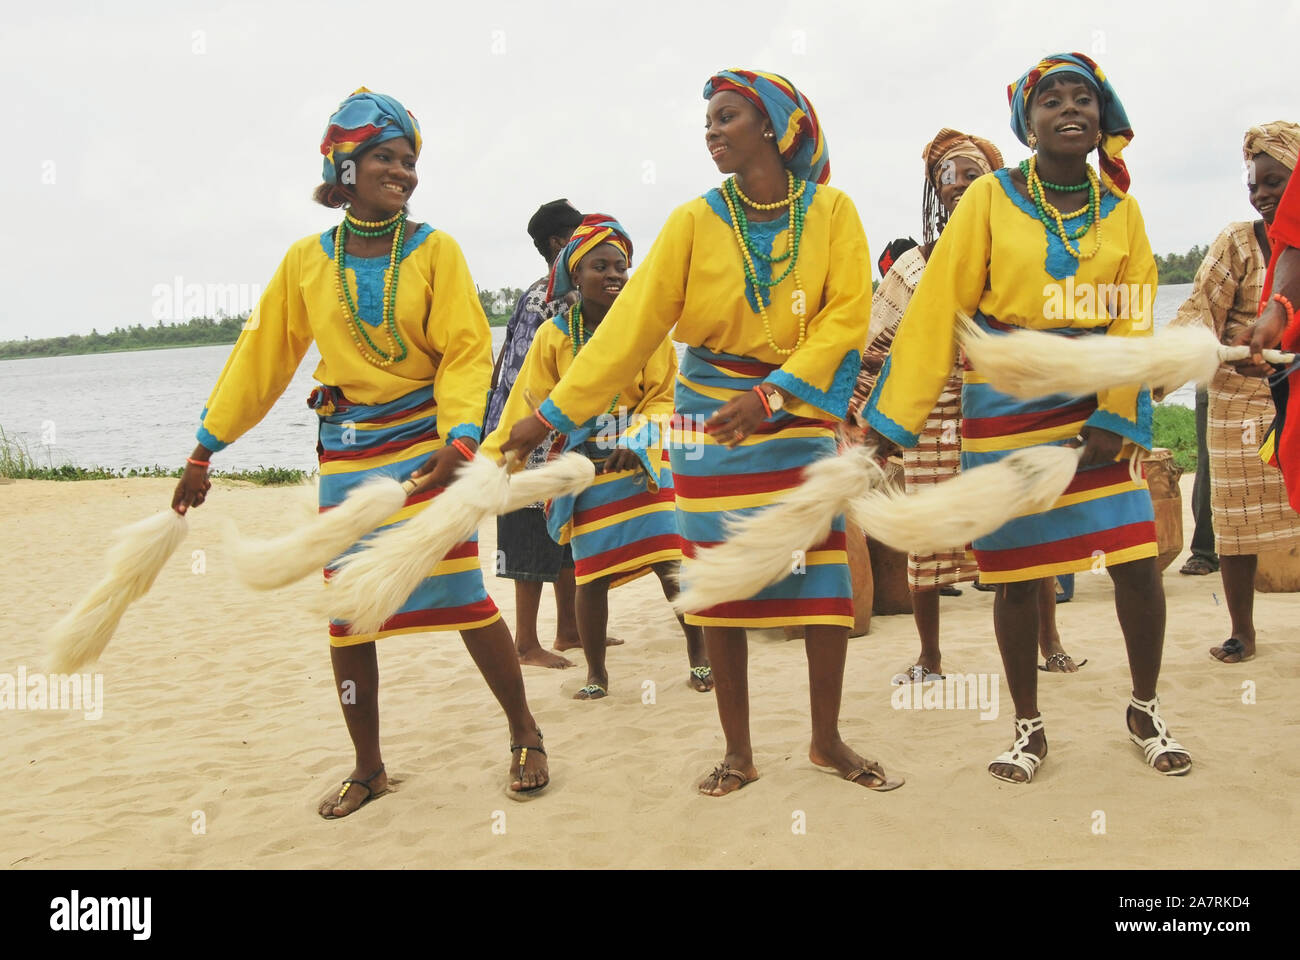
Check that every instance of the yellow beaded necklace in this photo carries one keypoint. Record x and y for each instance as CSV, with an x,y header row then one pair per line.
x,y
740,228
1035,185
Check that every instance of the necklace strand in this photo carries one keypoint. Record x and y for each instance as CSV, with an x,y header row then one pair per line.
x,y
578,337
734,198
396,348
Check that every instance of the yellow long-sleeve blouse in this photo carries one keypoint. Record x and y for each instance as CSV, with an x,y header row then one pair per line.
x,y
693,279
438,315
997,257
646,399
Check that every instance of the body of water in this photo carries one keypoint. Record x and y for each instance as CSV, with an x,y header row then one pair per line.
x,y
142,408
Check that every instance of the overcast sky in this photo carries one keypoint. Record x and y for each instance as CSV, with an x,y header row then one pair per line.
x,y
153,141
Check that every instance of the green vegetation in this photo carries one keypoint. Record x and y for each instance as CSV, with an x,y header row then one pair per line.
x,y
499,304
199,332
17,462
1177,268
1175,429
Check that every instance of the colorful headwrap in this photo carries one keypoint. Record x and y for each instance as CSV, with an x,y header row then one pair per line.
x,y
946,145
1279,139
363,120
949,143
1116,132
799,136
595,229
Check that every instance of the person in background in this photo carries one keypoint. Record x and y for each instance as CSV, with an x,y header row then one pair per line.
x,y
527,554
1248,499
1203,559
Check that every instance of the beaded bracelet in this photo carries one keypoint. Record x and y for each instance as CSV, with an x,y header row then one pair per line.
x,y
1286,305
199,463
549,425
762,398
462,448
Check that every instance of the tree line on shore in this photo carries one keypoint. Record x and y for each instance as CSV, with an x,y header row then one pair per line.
x,y
497,304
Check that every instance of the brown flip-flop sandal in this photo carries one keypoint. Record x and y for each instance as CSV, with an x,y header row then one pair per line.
x,y
347,785
720,773
873,769
527,792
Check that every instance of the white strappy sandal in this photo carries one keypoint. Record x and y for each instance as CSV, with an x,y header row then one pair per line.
x,y
1162,743
1018,756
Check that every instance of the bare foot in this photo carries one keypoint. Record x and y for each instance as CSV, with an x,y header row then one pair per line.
x,y
537,657
346,800
869,773
728,776
573,643
536,773
701,678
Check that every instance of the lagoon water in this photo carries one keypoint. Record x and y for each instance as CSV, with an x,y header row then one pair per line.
x,y
141,408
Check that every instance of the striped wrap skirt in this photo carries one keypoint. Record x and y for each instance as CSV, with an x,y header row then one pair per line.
x,y
618,527
357,442
1104,517
1248,499
713,481
936,458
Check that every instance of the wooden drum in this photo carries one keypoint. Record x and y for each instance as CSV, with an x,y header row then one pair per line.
x,y
1162,480
1278,571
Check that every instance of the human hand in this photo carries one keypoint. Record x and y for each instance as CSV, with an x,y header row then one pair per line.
x,y
621,459
192,488
1099,446
525,436
736,419
440,469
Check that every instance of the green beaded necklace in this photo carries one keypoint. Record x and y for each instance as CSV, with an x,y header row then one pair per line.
x,y
1090,209
358,327
578,337
797,212
1059,188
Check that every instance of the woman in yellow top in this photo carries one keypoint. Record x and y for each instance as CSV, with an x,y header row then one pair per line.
x,y
406,359
766,282
1098,277
624,525
1248,498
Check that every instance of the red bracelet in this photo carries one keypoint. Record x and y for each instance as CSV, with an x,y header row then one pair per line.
x,y
549,425
762,398
462,448
198,463
1286,305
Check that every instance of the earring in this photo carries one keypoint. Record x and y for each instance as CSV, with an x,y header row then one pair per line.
x,y
1033,140
770,135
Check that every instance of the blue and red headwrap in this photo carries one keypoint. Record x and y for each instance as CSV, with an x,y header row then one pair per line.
x,y
363,120
1115,129
799,136
595,229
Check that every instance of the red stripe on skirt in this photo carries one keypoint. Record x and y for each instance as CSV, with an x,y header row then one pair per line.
x,y
1098,477
838,540
1071,548
363,453
469,613
618,555
429,404
1004,426
663,495
736,484
752,609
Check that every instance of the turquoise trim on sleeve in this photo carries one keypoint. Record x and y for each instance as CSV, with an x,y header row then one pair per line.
x,y
471,431
881,423
1139,432
834,401
207,439
1060,263
555,418
640,442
